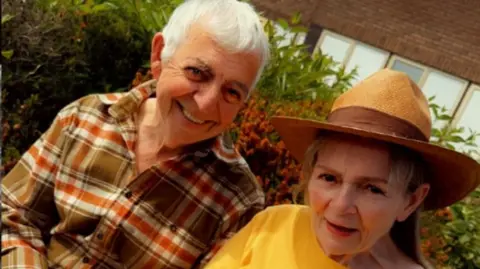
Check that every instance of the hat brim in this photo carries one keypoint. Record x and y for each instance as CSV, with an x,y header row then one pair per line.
x,y
453,175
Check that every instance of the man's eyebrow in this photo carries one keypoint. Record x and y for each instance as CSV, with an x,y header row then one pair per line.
x,y
207,68
203,65
241,85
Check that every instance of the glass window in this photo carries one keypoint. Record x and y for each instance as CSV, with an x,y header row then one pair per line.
x,y
367,59
447,91
335,47
415,73
469,118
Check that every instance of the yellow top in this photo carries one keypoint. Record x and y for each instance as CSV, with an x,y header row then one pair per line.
x,y
279,237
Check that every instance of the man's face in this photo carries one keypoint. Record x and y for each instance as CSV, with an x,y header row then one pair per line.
x,y
201,88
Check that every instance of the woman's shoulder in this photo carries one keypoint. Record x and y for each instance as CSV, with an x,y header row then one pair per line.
x,y
279,215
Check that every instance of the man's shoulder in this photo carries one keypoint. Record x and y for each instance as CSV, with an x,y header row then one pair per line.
x,y
92,101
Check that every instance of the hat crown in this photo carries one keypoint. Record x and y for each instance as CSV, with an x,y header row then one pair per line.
x,y
393,93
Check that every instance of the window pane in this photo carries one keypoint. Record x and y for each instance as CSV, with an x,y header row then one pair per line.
x,y
367,59
447,91
415,73
469,117
335,47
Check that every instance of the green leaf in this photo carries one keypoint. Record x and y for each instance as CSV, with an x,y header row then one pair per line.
x,y
283,23
7,54
456,139
444,117
464,238
6,18
103,7
450,146
296,18
298,29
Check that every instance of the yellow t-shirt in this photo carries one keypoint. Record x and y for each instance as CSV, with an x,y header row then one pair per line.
x,y
279,237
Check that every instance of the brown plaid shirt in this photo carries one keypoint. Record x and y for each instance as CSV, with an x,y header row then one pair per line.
x,y
74,200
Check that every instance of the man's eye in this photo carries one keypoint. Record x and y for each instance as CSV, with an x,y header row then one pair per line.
x,y
194,73
233,96
327,177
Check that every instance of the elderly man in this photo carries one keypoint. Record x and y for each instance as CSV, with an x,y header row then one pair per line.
x,y
145,179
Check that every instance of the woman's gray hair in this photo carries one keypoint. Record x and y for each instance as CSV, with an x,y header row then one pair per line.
x,y
235,26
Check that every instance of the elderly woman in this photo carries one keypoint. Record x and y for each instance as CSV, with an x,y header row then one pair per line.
x,y
145,179
369,171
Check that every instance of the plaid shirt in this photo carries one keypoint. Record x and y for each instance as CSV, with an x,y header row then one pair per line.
x,y
74,200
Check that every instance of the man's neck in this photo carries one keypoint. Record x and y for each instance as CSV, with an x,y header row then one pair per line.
x,y
150,137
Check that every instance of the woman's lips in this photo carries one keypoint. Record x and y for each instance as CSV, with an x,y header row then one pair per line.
x,y
340,230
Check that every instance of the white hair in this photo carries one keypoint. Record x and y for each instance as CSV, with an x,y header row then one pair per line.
x,y
233,24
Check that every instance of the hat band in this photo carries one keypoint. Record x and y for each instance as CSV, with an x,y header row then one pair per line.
x,y
375,121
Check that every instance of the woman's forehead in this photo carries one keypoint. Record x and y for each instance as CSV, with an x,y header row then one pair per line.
x,y
361,156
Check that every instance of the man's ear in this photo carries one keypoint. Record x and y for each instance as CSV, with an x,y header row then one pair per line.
x,y
155,56
413,201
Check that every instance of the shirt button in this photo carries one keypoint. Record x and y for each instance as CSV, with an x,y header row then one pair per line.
x,y
128,194
100,236
173,228
85,260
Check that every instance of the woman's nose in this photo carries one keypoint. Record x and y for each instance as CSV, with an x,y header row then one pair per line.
x,y
344,200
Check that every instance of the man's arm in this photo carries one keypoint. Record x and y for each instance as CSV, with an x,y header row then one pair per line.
x,y
28,206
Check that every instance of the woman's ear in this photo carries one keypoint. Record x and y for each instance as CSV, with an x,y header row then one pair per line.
x,y
413,201
155,56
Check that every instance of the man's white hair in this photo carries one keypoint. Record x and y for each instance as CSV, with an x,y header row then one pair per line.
x,y
233,24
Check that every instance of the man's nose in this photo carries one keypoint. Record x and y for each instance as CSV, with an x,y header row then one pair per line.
x,y
208,97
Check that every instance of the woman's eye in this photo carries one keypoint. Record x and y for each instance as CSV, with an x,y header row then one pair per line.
x,y
328,178
233,96
375,190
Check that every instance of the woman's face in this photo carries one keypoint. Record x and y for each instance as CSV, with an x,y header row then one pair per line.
x,y
353,201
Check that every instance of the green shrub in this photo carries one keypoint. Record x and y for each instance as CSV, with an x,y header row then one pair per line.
x,y
55,52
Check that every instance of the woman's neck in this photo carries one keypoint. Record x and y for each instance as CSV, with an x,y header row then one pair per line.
x,y
384,254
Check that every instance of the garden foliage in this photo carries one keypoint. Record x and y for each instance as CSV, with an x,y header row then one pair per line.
x,y
53,52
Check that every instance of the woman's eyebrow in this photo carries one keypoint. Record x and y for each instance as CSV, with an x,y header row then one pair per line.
x,y
327,169
373,179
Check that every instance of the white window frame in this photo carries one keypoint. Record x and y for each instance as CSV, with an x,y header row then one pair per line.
x,y
425,69
352,44
326,33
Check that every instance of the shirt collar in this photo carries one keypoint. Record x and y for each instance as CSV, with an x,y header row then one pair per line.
x,y
124,105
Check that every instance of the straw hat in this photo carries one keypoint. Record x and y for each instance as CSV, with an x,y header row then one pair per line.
x,y
390,107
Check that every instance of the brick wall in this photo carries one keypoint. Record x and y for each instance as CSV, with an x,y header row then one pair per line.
x,y
438,33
